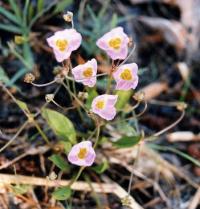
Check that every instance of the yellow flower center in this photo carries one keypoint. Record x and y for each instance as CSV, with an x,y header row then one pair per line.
x,y
126,75
61,44
87,72
82,153
100,104
115,43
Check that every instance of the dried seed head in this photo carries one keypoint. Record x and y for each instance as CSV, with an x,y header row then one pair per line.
x,y
29,78
19,39
82,95
57,70
53,176
49,97
139,96
181,106
126,201
68,17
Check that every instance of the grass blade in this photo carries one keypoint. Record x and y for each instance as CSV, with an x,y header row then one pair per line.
x,y
10,28
40,5
25,13
16,9
9,15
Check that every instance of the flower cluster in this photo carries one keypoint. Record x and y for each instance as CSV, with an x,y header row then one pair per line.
x,y
115,43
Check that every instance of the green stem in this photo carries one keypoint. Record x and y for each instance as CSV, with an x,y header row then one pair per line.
x,y
74,96
110,79
77,176
41,132
97,136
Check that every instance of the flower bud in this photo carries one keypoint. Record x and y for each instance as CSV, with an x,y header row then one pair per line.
x,y
29,78
126,201
49,97
19,39
53,176
68,17
57,70
181,106
83,95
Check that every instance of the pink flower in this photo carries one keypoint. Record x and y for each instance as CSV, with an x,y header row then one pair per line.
x,y
64,42
115,43
126,76
86,73
104,106
82,154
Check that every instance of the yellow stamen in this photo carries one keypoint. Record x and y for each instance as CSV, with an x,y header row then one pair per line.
x,y
115,43
61,44
100,104
87,72
82,153
126,75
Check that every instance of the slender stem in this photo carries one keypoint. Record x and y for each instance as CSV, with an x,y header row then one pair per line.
x,y
45,84
132,117
28,115
97,136
41,132
15,136
131,52
64,108
171,126
110,79
14,51
134,165
163,103
132,108
73,95
143,111
152,137
77,176
12,97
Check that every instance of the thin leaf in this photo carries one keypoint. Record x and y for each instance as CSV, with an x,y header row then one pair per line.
x,y
16,9
40,5
30,12
10,28
3,76
114,21
23,106
17,75
101,167
92,14
25,13
62,193
27,54
61,5
9,15
103,9
60,124
59,162
38,15
127,141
